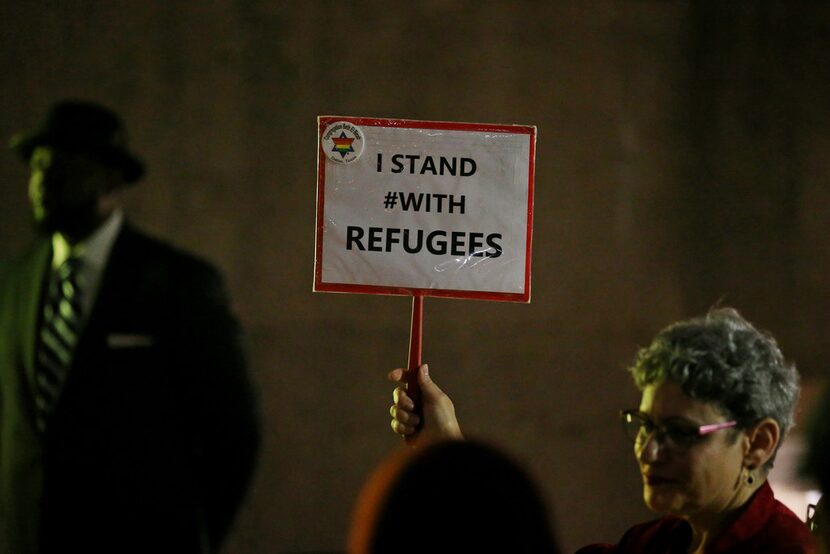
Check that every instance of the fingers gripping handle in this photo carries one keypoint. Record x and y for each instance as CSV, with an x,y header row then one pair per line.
x,y
411,376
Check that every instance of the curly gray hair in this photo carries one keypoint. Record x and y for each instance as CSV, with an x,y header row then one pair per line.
x,y
723,359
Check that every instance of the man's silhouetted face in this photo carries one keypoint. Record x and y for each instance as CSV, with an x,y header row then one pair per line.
x,y
69,191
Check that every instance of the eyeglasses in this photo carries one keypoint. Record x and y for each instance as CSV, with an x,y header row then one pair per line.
x,y
815,513
673,436
811,518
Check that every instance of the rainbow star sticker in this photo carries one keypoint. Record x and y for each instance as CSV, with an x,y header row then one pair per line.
x,y
342,144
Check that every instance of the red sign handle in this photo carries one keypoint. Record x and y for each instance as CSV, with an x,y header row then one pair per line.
x,y
415,342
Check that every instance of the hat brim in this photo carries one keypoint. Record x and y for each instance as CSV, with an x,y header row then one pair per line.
x,y
131,167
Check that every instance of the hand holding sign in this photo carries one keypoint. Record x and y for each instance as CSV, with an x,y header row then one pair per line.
x,y
438,419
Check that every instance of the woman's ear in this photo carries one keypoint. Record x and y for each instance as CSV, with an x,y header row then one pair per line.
x,y
763,440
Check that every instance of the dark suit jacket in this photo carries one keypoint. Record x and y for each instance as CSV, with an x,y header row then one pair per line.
x,y
153,441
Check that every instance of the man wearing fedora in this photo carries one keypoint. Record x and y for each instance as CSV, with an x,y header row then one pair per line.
x,y
128,422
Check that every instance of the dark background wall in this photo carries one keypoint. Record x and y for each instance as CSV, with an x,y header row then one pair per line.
x,y
683,160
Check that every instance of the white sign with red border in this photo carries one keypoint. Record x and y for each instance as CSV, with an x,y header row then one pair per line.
x,y
424,207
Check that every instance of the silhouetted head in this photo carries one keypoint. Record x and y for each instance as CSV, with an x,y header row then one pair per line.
x,y
78,158
450,496
816,464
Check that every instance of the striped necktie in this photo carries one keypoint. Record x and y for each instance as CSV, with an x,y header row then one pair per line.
x,y
58,338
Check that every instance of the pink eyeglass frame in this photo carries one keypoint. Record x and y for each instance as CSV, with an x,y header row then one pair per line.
x,y
712,427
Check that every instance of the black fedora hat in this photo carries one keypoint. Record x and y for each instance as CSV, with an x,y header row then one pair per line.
x,y
81,126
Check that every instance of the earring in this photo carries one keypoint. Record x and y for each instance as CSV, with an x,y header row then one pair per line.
x,y
750,476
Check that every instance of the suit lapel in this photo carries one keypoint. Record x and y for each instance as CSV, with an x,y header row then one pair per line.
x,y
33,276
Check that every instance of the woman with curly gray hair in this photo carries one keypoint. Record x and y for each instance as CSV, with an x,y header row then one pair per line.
x,y
717,400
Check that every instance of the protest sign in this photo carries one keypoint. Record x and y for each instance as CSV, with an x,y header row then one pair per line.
x,y
424,208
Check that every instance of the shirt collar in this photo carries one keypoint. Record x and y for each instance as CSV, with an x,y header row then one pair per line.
x,y
95,249
753,518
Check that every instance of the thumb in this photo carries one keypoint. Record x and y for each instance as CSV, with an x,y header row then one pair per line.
x,y
438,410
428,386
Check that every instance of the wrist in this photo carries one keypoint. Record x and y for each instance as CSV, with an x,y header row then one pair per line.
x,y
451,429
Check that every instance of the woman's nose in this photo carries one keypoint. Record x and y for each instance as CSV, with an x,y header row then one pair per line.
x,y
649,448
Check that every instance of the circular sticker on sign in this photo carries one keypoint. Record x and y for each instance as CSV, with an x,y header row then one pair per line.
x,y
342,142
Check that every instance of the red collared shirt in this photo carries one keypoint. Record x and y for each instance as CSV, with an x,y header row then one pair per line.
x,y
765,527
